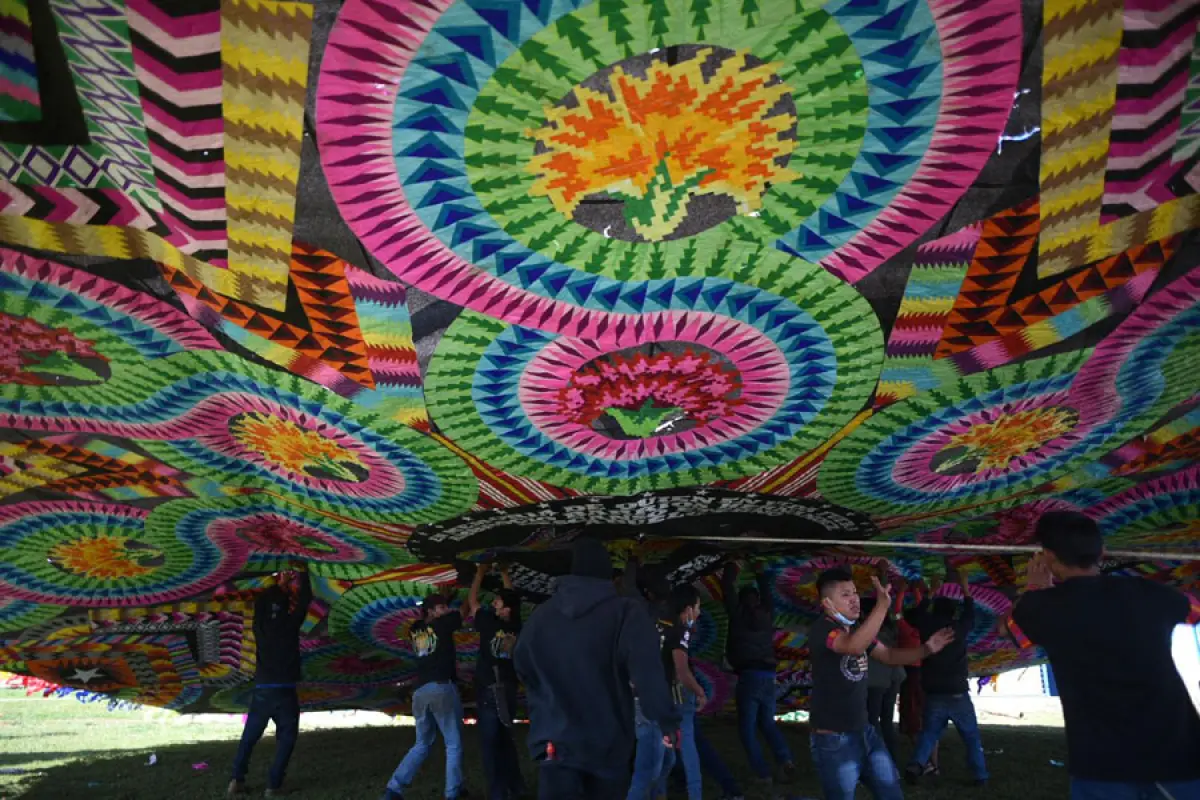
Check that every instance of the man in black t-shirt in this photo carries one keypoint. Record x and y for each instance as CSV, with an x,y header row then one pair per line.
x,y
944,680
845,746
499,625
436,704
750,648
1131,730
279,613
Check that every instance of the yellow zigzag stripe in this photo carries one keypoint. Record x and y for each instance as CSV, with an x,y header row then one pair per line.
x,y
1075,204
117,242
271,105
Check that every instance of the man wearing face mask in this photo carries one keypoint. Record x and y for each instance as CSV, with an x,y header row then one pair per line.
x,y
688,693
845,747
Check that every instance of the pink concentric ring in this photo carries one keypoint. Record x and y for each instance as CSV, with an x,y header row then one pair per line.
x,y
762,367
245,528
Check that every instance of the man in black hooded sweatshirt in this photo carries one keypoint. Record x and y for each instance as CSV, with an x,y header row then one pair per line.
x,y
578,656
279,613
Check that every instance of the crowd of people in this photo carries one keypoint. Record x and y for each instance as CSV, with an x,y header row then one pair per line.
x,y
614,703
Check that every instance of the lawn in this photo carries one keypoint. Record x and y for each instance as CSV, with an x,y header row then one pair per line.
x,y
60,748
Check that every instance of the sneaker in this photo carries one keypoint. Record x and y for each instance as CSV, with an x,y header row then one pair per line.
x,y
388,794
913,773
932,769
980,783
236,788
787,773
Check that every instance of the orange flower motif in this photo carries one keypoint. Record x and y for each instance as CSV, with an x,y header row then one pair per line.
x,y
657,141
294,448
996,444
102,557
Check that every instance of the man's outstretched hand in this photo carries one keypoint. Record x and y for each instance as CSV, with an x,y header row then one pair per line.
x,y
939,640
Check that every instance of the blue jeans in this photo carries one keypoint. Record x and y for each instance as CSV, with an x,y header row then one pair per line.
x,y
501,765
653,761
278,703
941,709
755,696
436,707
842,759
1108,790
687,747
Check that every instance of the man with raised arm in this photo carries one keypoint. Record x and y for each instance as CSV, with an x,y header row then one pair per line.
x,y
498,625
750,649
845,747
944,680
279,613
1131,730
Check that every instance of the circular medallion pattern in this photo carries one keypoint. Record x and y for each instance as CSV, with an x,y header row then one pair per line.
x,y
217,416
97,554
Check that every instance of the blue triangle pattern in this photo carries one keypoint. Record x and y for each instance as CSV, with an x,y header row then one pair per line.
x,y
831,223
430,171
507,262
474,40
466,232
556,280
850,205
531,272
428,119
452,66
438,93
609,296
484,249
442,193
902,111
503,16
883,163
901,53
582,288
885,27
868,184
906,81
452,213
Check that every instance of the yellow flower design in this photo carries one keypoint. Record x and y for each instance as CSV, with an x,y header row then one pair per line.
x,y
995,444
659,140
294,448
102,557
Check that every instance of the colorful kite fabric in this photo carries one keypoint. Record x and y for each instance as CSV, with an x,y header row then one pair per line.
x,y
385,289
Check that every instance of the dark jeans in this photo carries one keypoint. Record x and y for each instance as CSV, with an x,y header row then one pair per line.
x,y
941,709
282,705
881,712
711,763
1107,790
843,759
557,782
501,766
755,696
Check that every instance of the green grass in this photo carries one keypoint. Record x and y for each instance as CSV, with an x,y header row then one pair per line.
x,y
66,749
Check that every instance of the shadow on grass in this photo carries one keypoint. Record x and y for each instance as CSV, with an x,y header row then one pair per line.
x,y
354,764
